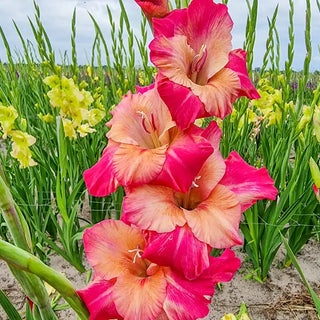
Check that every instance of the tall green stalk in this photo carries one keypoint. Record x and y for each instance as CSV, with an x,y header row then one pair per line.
x,y
27,262
31,284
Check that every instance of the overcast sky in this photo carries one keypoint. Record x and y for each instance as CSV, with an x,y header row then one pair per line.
x,y
56,16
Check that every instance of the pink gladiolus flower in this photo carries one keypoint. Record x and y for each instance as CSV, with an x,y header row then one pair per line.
x,y
154,8
128,286
145,146
199,74
207,215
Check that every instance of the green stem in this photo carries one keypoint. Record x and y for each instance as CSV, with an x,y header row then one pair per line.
x,y
39,296
25,261
11,217
32,285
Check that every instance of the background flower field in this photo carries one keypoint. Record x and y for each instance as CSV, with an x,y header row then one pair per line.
x,y
45,148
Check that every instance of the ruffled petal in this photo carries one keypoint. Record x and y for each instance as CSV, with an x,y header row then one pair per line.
x,y
152,208
213,31
216,220
133,116
213,134
173,58
100,179
145,89
220,93
184,106
208,177
213,169
237,63
107,246
98,298
172,24
140,297
184,159
248,183
223,268
178,249
183,301
136,166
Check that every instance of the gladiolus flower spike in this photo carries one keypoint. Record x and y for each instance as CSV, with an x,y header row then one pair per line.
x,y
182,198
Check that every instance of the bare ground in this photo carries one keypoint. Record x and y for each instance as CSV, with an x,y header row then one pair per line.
x,y
282,297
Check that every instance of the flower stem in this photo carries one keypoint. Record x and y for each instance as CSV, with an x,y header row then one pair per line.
x,y
31,284
25,261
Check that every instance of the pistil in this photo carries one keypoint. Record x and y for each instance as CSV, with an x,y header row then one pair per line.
x,y
186,198
150,128
197,64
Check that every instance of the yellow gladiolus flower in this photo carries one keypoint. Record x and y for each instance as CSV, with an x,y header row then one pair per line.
x,y
48,118
8,115
316,123
52,81
84,129
229,316
89,71
20,148
199,122
95,116
305,118
69,130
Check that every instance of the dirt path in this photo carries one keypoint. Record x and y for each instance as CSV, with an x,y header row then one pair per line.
x,y
281,297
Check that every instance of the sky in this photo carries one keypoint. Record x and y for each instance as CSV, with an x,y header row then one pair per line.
x,y
56,17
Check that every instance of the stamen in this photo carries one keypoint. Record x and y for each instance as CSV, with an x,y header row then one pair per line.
x,y
138,252
144,125
153,122
194,185
150,127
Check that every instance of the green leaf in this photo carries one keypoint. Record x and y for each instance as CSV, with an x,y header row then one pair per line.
x,y
313,295
8,307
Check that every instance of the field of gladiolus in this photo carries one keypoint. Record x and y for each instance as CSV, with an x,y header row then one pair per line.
x,y
158,180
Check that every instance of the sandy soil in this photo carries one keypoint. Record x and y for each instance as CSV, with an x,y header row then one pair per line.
x,y
281,297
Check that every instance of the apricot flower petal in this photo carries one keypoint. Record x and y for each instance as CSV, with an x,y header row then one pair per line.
x,y
140,297
152,208
136,166
179,249
184,159
209,176
100,179
220,93
107,246
98,299
214,31
173,58
216,220
248,183
127,123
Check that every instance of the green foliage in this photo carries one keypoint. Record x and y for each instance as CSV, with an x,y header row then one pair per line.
x,y
8,307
